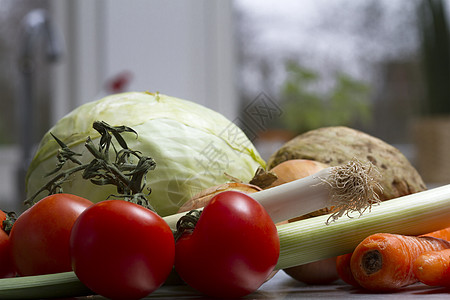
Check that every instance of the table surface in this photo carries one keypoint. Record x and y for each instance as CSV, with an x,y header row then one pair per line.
x,y
281,286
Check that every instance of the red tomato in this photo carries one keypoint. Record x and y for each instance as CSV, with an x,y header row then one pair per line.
x,y
2,218
232,250
121,250
6,265
40,236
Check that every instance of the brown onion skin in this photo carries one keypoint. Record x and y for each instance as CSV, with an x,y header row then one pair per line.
x,y
200,200
294,169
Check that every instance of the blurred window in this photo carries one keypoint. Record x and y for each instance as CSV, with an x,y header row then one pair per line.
x,y
332,62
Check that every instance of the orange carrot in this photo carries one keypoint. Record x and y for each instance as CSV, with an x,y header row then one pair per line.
x,y
441,234
343,262
433,268
344,271
383,261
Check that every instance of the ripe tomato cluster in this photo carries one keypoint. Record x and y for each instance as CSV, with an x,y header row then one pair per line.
x,y
122,250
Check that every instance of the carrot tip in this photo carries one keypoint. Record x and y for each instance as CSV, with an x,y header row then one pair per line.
x,y
372,262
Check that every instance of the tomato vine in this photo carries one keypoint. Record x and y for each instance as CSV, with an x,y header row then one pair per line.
x,y
127,170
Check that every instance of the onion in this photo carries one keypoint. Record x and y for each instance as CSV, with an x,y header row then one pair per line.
x,y
294,169
318,272
202,198
286,171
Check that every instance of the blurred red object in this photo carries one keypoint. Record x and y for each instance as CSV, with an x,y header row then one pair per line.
x,y
119,83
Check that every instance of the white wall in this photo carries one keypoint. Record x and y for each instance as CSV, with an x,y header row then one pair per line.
x,y
179,48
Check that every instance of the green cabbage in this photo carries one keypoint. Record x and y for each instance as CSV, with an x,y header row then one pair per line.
x,y
194,147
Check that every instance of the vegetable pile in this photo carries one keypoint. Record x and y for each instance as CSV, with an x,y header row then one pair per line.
x,y
120,202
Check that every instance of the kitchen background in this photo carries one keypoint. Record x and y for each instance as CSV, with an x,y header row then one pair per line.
x,y
382,66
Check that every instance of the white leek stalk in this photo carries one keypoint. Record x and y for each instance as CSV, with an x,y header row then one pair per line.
x,y
347,188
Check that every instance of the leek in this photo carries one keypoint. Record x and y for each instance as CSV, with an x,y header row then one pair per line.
x,y
348,188
310,240
43,286
317,238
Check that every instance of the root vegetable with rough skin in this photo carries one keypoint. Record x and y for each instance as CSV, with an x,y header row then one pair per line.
x,y
337,145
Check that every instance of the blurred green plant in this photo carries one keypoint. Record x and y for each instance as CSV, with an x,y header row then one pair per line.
x,y
305,107
433,23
